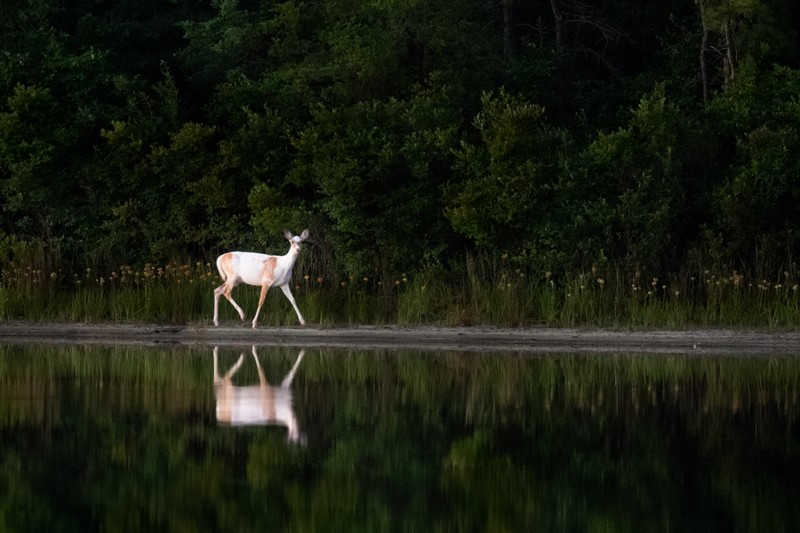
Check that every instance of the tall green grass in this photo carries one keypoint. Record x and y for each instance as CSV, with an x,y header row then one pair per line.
x,y
477,291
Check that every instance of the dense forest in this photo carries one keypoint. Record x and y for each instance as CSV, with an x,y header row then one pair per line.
x,y
558,134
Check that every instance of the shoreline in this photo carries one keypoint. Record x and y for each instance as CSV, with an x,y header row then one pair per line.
x,y
427,338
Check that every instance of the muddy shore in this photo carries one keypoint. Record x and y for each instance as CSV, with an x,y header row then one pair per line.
x,y
479,339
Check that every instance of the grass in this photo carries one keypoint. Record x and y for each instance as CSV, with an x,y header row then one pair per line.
x,y
477,291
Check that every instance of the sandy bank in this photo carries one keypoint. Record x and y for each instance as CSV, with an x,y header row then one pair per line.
x,y
526,340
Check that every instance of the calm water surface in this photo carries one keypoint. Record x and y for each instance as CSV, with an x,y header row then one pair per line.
x,y
196,439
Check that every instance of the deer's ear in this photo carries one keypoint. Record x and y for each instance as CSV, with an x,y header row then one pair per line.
x,y
304,235
287,234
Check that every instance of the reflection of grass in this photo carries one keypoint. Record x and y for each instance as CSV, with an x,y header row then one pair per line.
x,y
485,390
476,291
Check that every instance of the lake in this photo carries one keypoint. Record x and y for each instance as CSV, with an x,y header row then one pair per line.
x,y
135,438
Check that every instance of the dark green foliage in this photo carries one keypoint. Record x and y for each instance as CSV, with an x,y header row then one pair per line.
x,y
519,190
758,203
403,134
377,168
644,170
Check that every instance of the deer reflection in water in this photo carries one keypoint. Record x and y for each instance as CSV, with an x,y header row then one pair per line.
x,y
256,405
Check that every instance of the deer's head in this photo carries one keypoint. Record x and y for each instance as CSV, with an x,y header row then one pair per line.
x,y
295,240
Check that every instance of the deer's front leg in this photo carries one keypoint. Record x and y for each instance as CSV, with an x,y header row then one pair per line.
x,y
288,292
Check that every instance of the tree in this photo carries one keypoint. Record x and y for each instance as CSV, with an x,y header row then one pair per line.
x,y
517,191
739,30
645,170
376,168
756,206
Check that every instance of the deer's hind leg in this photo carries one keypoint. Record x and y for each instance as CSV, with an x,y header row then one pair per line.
x,y
225,290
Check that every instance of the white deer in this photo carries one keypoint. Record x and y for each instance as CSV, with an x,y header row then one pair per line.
x,y
260,404
261,270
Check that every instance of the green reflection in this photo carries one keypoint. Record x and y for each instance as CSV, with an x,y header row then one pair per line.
x,y
131,438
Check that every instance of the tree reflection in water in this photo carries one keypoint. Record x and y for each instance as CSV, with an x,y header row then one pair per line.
x,y
124,438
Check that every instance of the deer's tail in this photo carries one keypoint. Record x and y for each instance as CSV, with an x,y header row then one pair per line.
x,y
219,268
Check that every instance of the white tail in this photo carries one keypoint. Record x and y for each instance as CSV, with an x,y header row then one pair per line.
x,y
260,404
261,270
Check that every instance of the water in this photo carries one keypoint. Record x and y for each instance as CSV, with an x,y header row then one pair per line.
x,y
146,439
